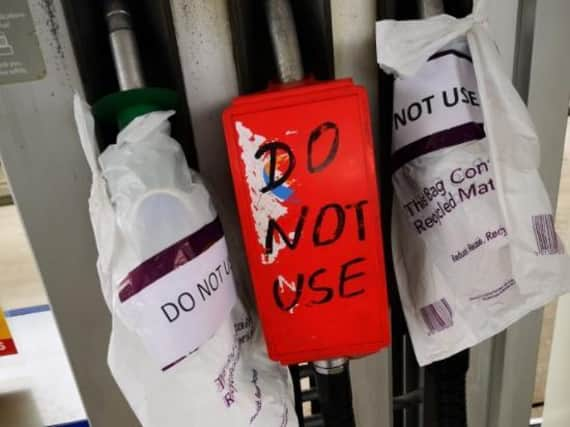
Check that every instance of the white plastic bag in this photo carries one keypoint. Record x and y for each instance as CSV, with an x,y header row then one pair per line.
x,y
473,233
144,202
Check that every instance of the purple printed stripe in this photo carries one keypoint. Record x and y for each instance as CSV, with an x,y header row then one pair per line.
x,y
177,361
170,259
457,53
447,138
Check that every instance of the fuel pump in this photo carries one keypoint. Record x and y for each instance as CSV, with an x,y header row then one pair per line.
x,y
303,171
183,349
444,381
133,99
457,126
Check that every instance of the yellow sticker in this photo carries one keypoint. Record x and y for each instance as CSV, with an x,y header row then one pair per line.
x,y
4,331
7,345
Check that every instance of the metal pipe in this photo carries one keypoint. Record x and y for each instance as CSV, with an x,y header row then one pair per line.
x,y
284,41
429,8
123,45
330,366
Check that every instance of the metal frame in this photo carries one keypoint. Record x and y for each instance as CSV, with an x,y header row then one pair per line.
x,y
503,369
548,95
206,55
498,394
50,181
353,25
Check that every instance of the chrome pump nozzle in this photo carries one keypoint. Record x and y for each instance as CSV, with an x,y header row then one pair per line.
x,y
123,45
284,41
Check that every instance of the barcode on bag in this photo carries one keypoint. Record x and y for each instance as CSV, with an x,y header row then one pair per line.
x,y
437,316
545,234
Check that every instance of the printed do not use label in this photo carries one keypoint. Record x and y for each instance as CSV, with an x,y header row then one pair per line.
x,y
179,312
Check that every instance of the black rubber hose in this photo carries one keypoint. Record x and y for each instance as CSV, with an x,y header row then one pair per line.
x,y
450,375
335,397
296,379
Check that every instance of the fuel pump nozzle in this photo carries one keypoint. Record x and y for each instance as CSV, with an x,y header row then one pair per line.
x,y
284,40
449,375
134,98
123,45
287,54
332,376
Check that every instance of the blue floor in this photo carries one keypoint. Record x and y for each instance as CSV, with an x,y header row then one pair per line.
x,y
27,310
83,423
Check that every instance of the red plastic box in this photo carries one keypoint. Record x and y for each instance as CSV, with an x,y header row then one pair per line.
x,y
303,170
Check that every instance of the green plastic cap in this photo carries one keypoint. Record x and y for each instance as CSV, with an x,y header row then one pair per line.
x,y
123,107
